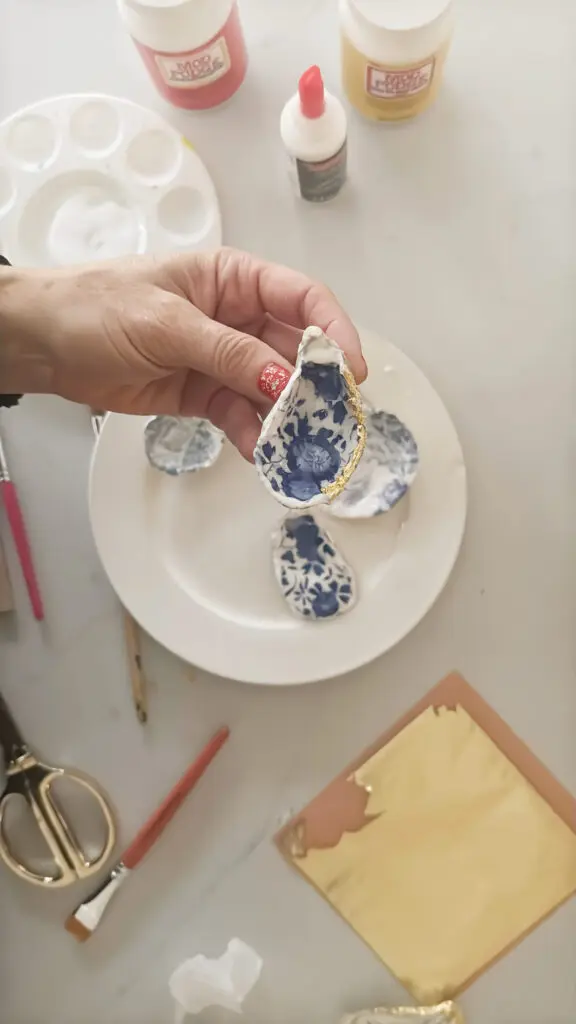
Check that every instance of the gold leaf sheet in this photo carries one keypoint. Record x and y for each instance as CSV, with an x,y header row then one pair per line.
x,y
459,858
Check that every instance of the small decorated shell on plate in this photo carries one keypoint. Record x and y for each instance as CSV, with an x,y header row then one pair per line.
x,y
315,580
312,440
386,470
180,444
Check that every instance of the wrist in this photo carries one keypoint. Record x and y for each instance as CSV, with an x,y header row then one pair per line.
x,y
25,366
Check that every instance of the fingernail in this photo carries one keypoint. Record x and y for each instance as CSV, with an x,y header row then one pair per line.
x,y
273,380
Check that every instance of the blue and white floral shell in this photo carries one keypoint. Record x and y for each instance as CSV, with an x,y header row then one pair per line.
x,y
386,471
313,438
315,580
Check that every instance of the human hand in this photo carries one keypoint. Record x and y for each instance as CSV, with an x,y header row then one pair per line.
x,y
210,334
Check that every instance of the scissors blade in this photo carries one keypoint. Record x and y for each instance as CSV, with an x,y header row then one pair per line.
x,y
11,739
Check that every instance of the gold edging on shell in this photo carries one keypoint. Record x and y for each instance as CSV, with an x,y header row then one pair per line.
x,y
335,488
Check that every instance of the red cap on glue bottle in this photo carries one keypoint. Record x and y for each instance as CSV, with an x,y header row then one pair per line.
x,y
311,93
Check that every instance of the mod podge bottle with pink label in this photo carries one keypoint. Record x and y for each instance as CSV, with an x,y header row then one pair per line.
x,y
194,49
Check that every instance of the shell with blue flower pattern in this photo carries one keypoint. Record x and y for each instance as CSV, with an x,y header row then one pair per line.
x,y
387,469
315,580
312,440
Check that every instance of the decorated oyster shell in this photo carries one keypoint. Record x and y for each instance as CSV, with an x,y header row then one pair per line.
x,y
180,444
312,440
385,472
313,576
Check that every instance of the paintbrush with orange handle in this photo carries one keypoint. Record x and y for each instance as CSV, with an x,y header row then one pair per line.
x,y
87,916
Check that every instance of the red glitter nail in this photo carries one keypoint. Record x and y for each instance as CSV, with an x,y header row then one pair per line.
x,y
273,380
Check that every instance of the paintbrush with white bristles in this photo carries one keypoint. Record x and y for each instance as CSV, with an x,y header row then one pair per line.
x,y
88,915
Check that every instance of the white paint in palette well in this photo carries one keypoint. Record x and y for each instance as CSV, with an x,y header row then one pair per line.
x,y
80,216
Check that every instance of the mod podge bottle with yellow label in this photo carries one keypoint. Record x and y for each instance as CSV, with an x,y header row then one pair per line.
x,y
393,54
194,49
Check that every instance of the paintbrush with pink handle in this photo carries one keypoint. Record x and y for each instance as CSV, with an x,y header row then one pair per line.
x,y
16,521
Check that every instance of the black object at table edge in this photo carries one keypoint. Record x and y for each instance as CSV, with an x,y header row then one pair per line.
x,y
7,401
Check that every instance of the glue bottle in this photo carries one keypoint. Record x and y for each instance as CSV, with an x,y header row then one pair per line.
x,y
313,130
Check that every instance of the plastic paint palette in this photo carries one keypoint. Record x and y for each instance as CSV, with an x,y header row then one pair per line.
x,y
87,177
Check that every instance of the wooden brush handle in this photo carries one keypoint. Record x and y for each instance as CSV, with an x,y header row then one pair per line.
x,y
155,825
137,678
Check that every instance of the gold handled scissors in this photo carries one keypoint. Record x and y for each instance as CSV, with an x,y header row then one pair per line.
x,y
28,778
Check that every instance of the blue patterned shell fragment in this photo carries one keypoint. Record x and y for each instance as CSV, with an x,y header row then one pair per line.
x,y
313,436
180,444
386,470
314,578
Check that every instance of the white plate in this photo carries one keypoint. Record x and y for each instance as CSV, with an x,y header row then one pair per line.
x,y
190,557
85,177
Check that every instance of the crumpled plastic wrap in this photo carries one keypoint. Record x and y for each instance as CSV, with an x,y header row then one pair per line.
x,y
223,981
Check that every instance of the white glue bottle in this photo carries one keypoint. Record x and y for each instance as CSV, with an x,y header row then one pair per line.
x,y
313,130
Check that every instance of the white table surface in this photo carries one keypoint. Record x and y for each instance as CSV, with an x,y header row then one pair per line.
x,y
455,240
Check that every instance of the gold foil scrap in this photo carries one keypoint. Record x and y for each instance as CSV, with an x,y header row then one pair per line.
x,y
294,840
356,781
443,1013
